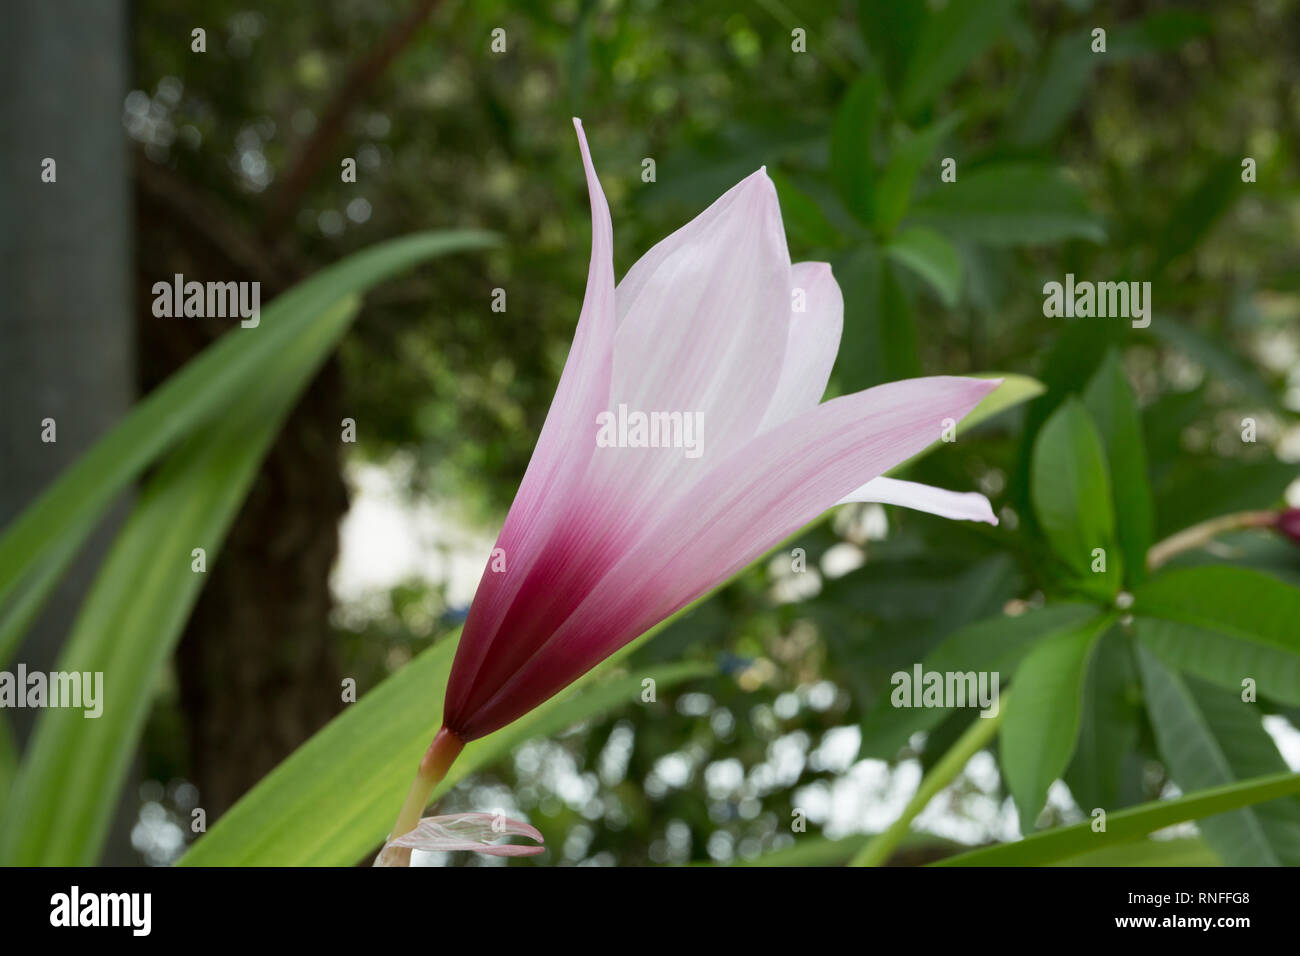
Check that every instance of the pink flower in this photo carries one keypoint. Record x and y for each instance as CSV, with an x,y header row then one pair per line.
x,y
609,535
1287,522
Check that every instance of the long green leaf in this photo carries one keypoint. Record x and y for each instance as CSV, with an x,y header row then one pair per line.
x,y
823,851
64,796
1183,851
38,545
8,761
1125,826
334,798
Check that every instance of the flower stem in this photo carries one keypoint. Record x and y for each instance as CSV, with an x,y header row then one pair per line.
x,y
437,760
1199,535
979,733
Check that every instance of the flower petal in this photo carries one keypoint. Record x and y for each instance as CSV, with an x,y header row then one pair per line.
x,y
474,832
554,471
704,318
959,505
756,497
812,344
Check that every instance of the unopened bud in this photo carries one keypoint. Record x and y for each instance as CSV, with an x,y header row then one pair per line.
x,y
1288,523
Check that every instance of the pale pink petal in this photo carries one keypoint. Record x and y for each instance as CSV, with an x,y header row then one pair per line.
x,y
475,832
704,318
812,344
554,473
703,325
959,505
743,506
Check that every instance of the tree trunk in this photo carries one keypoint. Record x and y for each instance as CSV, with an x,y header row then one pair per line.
x,y
65,272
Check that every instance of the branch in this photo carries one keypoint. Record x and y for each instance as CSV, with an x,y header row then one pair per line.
x,y
356,85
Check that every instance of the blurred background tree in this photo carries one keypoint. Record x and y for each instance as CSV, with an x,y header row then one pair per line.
x,y
1122,165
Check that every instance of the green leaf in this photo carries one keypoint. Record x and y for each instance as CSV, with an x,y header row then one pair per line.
x,y
1111,405
859,363
1161,32
898,340
995,645
1059,83
1184,851
879,342
1041,725
1192,219
821,851
895,602
852,131
1009,204
1125,826
1225,624
1108,726
330,801
906,160
812,851
1209,737
333,800
8,761
1014,390
932,257
950,40
38,545
1071,492
804,221
891,31
64,796
1055,91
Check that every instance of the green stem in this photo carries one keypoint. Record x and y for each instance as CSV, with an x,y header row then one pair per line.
x,y
446,747
941,774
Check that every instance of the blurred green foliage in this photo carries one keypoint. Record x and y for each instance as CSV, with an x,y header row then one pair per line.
x,y
1123,165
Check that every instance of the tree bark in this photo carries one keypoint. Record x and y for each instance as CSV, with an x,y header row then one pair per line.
x,y
65,271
